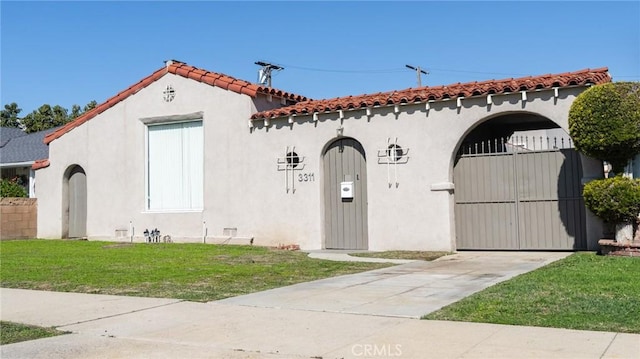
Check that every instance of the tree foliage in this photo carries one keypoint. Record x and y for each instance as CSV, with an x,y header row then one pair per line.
x,y
615,200
44,118
604,122
9,115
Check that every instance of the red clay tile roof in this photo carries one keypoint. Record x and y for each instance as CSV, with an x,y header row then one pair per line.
x,y
184,70
38,164
414,95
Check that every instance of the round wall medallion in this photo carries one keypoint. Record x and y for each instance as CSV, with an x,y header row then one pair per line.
x,y
168,94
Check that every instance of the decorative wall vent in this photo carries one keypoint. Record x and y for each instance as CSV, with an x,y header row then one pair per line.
x,y
168,94
392,156
290,163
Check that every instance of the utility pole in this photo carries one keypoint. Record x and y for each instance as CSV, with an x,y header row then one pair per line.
x,y
418,71
264,75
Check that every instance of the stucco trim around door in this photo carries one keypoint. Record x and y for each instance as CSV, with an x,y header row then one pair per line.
x,y
345,195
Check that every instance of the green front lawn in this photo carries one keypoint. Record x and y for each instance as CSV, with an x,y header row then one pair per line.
x,y
584,291
15,333
196,272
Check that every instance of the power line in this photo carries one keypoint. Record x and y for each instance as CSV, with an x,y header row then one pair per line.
x,y
431,71
378,71
397,70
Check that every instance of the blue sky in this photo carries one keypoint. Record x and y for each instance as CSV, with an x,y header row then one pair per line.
x,y
74,52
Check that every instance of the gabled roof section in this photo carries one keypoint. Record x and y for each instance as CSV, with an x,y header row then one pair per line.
x,y
17,146
184,70
421,94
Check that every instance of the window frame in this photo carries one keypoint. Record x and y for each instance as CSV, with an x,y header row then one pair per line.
x,y
169,120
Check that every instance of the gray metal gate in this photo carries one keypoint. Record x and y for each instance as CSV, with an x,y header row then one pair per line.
x,y
519,199
345,215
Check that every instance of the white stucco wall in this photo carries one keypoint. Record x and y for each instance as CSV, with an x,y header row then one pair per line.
x,y
410,216
244,189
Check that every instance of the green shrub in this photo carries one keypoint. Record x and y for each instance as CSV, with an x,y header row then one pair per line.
x,y
604,122
11,188
615,200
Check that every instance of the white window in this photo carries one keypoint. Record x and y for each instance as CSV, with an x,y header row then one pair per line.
x,y
175,163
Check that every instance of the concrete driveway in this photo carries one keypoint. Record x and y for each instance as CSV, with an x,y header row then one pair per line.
x,y
408,290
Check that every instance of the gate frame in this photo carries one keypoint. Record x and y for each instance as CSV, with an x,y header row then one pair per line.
x,y
456,148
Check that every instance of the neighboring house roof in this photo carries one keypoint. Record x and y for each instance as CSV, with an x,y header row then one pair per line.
x,y
415,95
8,133
17,146
184,70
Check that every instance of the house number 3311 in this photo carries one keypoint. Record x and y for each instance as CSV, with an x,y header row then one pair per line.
x,y
306,177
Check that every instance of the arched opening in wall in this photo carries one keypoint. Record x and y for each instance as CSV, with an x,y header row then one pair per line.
x,y
518,186
345,195
74,203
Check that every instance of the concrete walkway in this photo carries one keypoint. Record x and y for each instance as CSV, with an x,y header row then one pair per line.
x,y
105,326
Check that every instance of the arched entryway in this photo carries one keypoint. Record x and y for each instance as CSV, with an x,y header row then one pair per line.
x,y
345,195
518,187
75,202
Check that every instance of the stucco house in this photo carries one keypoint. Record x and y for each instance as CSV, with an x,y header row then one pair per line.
x,y
205,157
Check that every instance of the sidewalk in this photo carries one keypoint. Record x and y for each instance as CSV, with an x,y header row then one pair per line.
x,y
130,327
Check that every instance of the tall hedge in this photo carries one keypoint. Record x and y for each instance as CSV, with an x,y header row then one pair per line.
x,y
604,122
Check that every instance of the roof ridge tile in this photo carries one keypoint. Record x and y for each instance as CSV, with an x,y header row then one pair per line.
x,y
508,85
180,69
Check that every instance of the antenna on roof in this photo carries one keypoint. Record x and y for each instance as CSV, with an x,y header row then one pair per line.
x,y
264,74
418,71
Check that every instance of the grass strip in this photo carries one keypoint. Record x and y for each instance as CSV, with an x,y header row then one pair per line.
x,y
413,255
195,272
15,333
583,291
